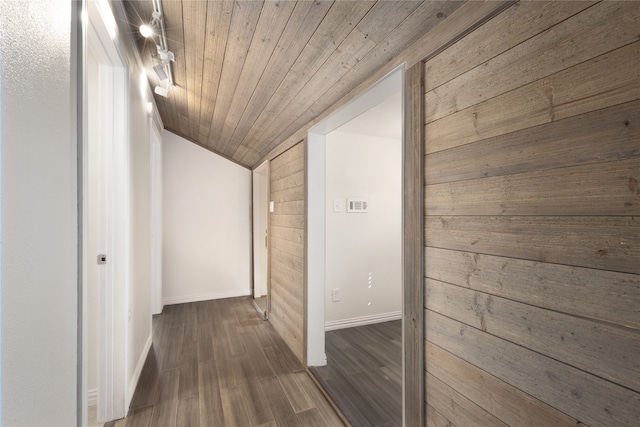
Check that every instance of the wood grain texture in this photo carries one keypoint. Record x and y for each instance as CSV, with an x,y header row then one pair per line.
x,y
436,419
586,87
602,28
274,17
531,261
455,407
287,246
605,188
607,351
512,406
603,135
607,296
250,74
608,243
585,397
249,377
515,25
413,247
461,22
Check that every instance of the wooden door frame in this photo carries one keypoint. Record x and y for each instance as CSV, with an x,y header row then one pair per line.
x,y
413,248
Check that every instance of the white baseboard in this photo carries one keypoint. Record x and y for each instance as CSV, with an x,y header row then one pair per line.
x,y
361,321
92,397
133,382
205,297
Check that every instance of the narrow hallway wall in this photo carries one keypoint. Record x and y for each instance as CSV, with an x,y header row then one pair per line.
x,y
206,224
39,214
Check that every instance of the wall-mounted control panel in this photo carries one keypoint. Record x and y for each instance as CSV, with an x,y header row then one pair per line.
x,y
357,205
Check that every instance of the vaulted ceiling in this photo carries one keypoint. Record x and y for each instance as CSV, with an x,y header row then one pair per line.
x,y
249,74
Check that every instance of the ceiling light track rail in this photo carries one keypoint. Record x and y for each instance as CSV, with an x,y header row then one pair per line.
x,y
166,57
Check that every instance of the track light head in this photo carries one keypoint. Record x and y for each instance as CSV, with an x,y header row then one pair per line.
x,y
160,72
162,91
146,30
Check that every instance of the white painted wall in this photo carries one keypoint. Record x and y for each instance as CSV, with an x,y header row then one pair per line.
x,y
139,295
206,224
39,214
363,250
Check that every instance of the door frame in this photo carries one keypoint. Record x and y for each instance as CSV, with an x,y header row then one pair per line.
x,y
156,218
101,37
316,178
261,190
410,83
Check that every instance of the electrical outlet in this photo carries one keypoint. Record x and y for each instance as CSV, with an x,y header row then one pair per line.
x,y
335,295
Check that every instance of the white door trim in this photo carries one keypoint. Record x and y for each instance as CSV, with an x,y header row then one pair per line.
x,y
156,219
101,38
316,178
260,202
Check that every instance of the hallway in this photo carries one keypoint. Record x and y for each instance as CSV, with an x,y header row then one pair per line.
x,y
216,363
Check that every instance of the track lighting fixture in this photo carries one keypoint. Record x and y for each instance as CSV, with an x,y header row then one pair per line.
x,y
165,56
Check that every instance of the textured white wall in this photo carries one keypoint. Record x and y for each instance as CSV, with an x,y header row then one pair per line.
x,y
206,224
39,214
363,250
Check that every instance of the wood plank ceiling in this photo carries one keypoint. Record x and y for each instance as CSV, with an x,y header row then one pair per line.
x,y
249,74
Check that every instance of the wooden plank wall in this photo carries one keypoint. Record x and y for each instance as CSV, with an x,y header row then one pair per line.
x,y
532,219
287,228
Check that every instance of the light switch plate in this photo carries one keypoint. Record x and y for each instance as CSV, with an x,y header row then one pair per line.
x,y
337,205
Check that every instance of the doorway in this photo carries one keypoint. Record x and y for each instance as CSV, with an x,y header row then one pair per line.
x,y
260,238
105,215
353,216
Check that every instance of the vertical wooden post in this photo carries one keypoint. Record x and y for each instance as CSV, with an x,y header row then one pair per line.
x,y
413,275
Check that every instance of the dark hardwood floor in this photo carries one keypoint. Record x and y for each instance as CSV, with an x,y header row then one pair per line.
x,y
216,363
364,373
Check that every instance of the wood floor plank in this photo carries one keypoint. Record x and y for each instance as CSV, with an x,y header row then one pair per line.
x,y
311,418
188,412
234,407
209,390
140,417
188,380
292,385
259,410
217,363
279,403
165,414
364,373
325,408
